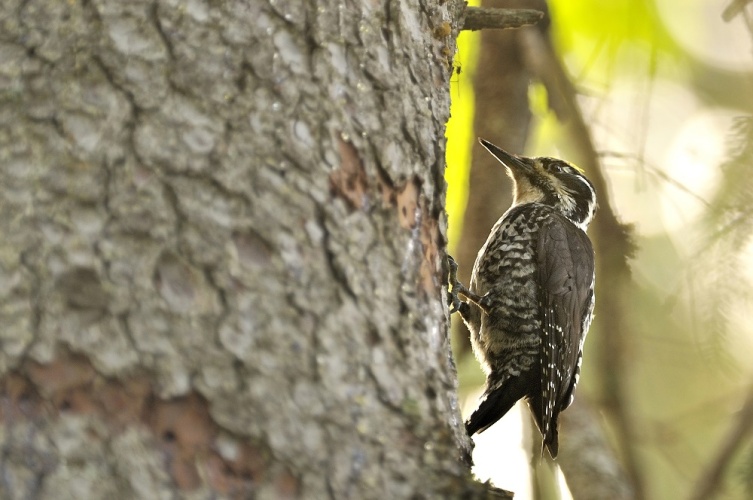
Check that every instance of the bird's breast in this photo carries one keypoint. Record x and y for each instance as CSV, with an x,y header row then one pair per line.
x,y
505,273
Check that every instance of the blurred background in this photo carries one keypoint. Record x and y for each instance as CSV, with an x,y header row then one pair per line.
x,y
653,98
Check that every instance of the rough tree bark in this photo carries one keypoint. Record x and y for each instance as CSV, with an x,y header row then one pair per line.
x,y
221,250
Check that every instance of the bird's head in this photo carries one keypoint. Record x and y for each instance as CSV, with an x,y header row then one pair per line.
x,y
549,181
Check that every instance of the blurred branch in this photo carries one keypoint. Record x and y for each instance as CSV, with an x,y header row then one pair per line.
x,y
597,474
481,18
613,247
656,172
735,8
711,478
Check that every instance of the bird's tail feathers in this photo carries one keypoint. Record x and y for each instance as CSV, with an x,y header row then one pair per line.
x,y
497,400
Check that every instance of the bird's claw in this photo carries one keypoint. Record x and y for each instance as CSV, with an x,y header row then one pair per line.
x,y
457,289
453,299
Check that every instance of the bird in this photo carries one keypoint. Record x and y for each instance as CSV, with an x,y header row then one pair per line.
x,y
531,296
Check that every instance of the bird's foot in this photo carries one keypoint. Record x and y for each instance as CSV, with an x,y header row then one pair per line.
x,y
456,289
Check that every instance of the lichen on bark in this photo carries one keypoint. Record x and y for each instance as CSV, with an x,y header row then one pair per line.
x,y
229,216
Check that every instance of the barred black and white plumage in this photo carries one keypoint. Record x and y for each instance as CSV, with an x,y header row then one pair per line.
x,y
531,294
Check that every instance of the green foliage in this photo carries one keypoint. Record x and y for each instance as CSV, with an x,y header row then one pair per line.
x,y
729,228
731,209
595,30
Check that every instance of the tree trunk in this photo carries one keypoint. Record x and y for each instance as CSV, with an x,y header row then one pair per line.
x,y
221,263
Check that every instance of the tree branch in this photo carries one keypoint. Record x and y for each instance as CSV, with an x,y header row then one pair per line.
x,y
712,476
735,8
481,18
592,470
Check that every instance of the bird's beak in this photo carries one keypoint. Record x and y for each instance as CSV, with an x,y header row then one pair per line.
x,y
512,162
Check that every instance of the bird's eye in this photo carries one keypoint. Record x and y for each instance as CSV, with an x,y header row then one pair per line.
x,y
557,168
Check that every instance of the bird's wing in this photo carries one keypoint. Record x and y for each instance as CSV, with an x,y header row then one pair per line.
x,y
566,272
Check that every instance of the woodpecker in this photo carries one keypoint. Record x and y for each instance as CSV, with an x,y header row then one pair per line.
x,y
531,296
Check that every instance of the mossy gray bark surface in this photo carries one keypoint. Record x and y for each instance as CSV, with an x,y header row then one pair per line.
x,y
221,250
